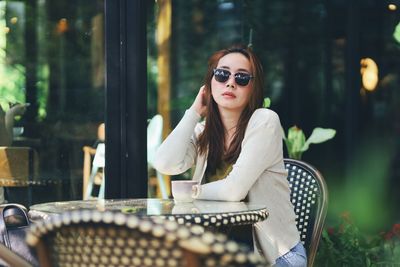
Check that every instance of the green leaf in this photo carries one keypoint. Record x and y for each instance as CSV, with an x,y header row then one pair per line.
x,y
396,33
297,138
294,142
267,102
129,210
288,147
319,135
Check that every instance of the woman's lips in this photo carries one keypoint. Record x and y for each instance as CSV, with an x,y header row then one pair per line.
x,y
229,94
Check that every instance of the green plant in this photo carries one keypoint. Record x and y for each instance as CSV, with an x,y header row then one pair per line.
x,y
296,142
346,245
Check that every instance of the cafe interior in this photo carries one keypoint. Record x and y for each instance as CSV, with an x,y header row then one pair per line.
x,y
90,89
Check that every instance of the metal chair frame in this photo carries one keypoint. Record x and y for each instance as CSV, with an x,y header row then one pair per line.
x,y
12,258
313,235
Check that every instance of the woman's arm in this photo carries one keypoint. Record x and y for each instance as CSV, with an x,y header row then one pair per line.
x,y
261,149
178,152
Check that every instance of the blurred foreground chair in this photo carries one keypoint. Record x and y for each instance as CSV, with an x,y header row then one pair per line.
x,y
93,165
93,238
154,139
309,195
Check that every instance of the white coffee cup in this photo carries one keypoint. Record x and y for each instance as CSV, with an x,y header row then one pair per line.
x,y
182,190
17,131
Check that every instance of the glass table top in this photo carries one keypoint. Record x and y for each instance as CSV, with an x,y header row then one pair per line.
x,y
199,212
148,206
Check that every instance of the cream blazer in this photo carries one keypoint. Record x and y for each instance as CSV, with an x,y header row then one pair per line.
x,y
259,172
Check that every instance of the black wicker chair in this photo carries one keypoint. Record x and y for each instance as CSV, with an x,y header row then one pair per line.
x,y
92,238
309,195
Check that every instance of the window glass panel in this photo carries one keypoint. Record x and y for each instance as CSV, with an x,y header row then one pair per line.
x,y
52,68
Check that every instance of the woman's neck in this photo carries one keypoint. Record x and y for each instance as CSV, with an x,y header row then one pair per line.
x,y
229,120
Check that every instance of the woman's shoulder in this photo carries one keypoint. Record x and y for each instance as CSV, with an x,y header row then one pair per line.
x,y
264,115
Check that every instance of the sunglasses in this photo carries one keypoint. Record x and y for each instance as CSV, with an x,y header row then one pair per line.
x,y
241,78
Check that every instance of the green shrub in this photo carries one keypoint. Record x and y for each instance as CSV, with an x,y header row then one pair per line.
x,y
345,245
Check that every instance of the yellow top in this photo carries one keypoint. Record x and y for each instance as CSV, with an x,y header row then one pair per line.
x,y
221,172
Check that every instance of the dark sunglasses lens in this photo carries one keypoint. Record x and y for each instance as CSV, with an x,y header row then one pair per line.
x,y
221,75
242,79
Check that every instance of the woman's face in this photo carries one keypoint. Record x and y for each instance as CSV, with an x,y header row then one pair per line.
x,y
229,95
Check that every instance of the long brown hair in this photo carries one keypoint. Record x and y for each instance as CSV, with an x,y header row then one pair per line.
x,y
213,136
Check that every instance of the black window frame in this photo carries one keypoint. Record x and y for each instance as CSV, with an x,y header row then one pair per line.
x,y
126,104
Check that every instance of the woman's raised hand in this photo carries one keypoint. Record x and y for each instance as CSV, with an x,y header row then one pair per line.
x,y
199,104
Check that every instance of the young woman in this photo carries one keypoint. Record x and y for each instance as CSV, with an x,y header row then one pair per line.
x,y
237,151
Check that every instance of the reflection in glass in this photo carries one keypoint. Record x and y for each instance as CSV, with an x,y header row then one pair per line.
x,y
52,57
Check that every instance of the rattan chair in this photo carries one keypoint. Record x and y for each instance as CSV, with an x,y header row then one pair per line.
x,y
93,238
309,196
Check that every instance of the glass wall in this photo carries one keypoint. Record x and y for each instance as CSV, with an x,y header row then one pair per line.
x,y
331,64
52,64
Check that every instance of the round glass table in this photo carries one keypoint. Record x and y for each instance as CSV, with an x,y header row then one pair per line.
x,y
199,212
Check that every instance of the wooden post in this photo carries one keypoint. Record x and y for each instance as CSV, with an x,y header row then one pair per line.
x,y
163,63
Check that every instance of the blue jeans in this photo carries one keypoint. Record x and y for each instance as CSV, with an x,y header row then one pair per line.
x,y
296,257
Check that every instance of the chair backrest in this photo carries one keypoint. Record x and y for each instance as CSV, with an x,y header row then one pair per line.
x,y
101,132
309,195
18,166
88,237
154,140
99,156
93,159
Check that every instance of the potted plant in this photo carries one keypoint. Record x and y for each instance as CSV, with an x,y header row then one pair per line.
x,y
296,142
